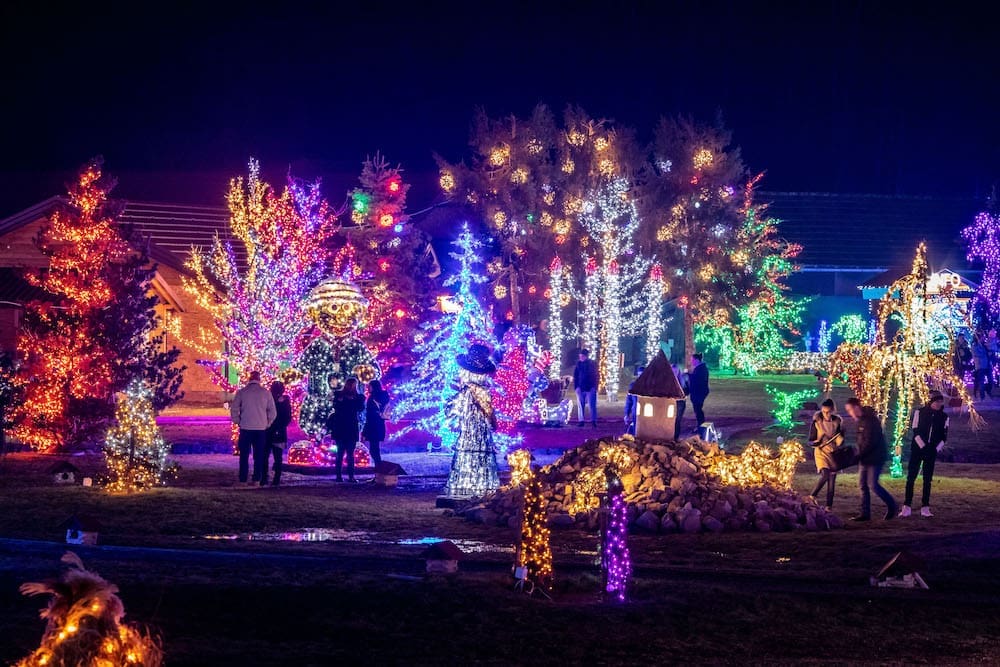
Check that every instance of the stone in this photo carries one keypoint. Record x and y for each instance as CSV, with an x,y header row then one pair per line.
x,y
567,469
676,483
762,526
648,522
685,467
561,521
712,524
667,524
692,521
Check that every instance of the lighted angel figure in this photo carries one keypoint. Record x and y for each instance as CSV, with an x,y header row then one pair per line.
x,y
337,308
474,462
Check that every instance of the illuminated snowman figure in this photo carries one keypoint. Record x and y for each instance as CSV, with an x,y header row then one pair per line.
x,y
474,462
337,308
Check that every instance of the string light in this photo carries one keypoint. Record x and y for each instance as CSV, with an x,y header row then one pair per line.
x,y
787,404
134,449
555,325
703,158
616,561
519,461
757,466
447,182
534,553
424,396
983,240
851,328
823,344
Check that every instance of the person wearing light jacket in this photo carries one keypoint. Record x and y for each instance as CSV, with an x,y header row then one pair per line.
x,y
826,433
252,410
930,433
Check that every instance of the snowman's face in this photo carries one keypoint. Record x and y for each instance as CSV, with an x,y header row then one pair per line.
x,y
338,318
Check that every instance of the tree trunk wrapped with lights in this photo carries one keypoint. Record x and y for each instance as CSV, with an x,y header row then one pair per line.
x,y
534,553
616,561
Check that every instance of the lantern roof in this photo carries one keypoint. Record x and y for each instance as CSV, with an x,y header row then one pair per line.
x,y
658,380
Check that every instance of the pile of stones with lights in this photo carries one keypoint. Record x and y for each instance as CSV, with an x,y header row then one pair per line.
x,y
667,486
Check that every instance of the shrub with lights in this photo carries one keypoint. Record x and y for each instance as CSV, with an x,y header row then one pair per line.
x,y
134,449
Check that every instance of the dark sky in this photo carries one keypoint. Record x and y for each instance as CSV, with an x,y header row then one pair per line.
x,y
880,97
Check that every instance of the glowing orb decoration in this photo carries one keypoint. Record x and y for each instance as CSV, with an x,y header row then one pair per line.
x,y
447,182
703,159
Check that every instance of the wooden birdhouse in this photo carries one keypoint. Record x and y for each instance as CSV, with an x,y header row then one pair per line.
x,y
657,392
81,529
63,472
387,473
442,557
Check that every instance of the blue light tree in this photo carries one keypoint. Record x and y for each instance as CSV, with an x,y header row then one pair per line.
x,y
435,372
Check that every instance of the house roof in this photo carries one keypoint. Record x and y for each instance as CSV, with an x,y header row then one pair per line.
x,y
658,380
170,229
872,231
887,278
15,290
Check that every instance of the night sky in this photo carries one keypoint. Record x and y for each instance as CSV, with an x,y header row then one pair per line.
x,y
876,97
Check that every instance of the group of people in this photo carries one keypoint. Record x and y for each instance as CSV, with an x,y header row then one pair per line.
x,y
980,358
826,434
263,417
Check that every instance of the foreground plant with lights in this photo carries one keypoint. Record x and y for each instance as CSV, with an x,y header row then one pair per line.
x,y
534,552
757,466
423,398
84,624
616,560
256,305
897,372
134,449
97,333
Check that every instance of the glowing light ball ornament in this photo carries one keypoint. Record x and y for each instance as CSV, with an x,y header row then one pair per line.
x,y
337,307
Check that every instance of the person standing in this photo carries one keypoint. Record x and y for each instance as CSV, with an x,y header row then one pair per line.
x,y
826,433
930,433
375,417
681,404
962,357
872,452
585,382
252,410
698,388
343,425
631,403
277,433
982,383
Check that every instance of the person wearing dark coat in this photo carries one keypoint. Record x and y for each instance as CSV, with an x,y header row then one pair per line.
x,y
374,430
276,437
872,453
632,403
344,424
698,388
930,433
585,380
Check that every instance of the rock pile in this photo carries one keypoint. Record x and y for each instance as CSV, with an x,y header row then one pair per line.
x,y
669,488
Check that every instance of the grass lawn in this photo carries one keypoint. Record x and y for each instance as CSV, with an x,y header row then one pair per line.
x,y
777,598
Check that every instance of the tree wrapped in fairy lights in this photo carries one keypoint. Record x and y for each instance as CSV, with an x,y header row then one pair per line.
x,y
851,328
424,396
983,240
99,329
534,552
558,294
897,372
528,178
723,251
610,217
510,383
391,260
134,449
255,304
616,561
654,292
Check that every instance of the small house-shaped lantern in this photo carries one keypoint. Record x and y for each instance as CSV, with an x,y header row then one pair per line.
x,y
81,530
387,473
63,472
442,557
657,392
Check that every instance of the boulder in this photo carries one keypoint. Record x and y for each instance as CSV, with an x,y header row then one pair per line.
x,y
712,524
648,522
561,521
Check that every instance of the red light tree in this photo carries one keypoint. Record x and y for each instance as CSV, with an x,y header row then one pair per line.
x,y
95,335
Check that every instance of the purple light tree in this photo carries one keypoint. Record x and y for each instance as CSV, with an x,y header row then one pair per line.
x,y
983,239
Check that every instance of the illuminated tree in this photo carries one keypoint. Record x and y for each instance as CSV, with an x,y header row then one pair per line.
x,y
510,385
558,293
616,561
97,332
134,449
392,261
534,553
723,251
424,397
896,373
255,304
851,329
528,178
653,306
610,217
787,404
983,240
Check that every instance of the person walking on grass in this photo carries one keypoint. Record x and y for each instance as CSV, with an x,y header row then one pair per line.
x,y
826,433
585,382
982,379
375,418
252,410
277,433
698,388
872,453
343,425
930,433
